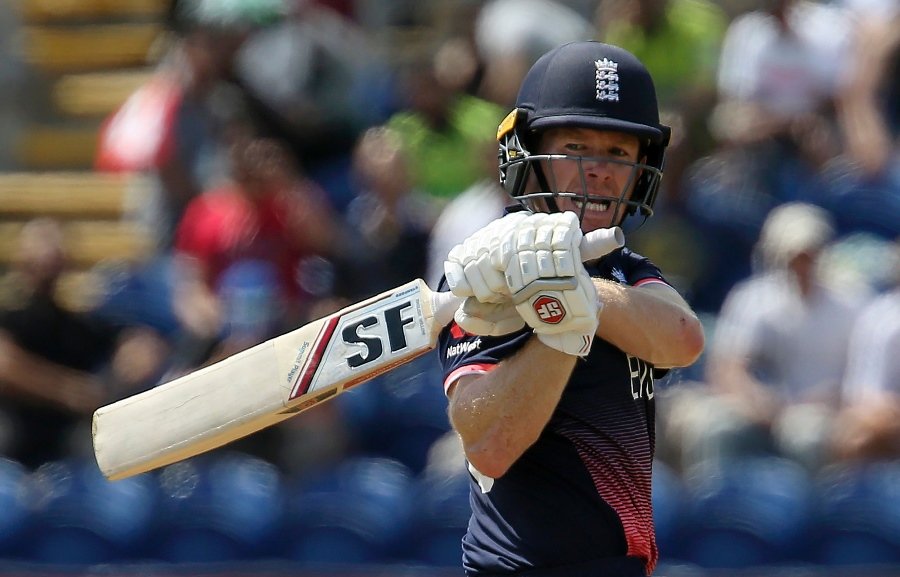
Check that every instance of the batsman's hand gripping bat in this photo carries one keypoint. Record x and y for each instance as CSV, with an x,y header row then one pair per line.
x,y
281,377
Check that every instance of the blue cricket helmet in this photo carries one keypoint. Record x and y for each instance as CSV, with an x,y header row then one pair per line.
x,y
589,85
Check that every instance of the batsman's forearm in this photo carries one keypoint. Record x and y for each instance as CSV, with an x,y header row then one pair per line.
x,y
651,322
499,414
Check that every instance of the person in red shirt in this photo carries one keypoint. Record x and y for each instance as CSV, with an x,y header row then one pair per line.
x,y
259,240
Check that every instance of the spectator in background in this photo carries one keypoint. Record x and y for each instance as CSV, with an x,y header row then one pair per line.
x,y
512,34
780,62
253,256
388,220
869,427
780,73
871,96
778,350
251,236
171,127
776,131
316,82
865,191
58,366
458,59
440,127
474,208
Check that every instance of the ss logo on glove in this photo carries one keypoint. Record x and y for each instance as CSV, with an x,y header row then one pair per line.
x,y
549,310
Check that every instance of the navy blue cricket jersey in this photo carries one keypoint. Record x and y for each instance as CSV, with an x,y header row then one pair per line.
x,y
578,500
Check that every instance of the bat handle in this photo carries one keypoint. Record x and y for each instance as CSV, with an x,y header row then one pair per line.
x,y
594,245
601,242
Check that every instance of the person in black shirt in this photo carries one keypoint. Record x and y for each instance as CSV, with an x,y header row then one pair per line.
x,y
57,365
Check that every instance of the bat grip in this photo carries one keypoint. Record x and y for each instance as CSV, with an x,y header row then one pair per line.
x,y
601,242
594,245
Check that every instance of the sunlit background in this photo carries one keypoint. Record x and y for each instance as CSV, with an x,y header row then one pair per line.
x,y
182,179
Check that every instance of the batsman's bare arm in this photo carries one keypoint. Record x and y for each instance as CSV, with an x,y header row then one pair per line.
x,y
499,414
651,322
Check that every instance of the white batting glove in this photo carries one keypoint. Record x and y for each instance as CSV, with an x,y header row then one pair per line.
x,y
572,317
474,269
552,290
488,319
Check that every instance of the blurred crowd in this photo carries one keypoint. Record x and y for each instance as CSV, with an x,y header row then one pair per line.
x,y
306,154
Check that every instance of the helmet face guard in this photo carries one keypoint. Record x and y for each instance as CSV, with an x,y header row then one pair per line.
x,y
532,180
588,85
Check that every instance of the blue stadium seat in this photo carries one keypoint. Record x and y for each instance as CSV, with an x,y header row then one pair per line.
x,y
858,515
401,414
359,512
225,506
750,512
442,516
15,513
670,507
81,518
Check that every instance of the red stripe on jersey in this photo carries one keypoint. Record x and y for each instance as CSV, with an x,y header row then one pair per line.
x,y
476,369
634,507
456,331
651,280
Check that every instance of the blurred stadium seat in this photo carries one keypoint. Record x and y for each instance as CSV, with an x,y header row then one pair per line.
x,y
15,512
670,506
752,512
442,515
81,518
220,507
401,414
89,195
858,515
358,513
416,419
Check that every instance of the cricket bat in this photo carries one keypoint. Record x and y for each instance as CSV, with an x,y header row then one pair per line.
x,y
273,381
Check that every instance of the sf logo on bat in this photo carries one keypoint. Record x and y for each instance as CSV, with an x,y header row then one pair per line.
x,y
364,332
360,342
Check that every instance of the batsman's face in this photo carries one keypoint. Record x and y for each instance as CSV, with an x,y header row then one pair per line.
x,y
599,172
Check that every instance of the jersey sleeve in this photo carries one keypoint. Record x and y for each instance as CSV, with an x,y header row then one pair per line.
x,y
637,270
464,354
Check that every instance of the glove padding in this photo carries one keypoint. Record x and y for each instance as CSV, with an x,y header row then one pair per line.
x,y
565,320
488,319
552,290
544,248
475,267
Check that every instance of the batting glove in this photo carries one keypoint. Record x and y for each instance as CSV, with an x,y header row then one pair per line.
x,y
488,319
474,268
576,313
552,290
